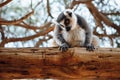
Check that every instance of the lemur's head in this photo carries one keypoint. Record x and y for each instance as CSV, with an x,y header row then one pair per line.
x,y
67,19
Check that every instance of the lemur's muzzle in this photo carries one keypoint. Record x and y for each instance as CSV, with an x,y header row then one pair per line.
x,y
68,28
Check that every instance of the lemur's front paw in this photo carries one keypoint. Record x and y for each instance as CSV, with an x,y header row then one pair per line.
x,y
90,47
64,47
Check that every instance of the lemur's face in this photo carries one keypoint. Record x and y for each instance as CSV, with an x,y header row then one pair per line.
x,y
68,21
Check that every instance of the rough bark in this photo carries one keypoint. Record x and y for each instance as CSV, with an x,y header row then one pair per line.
x,y
76,63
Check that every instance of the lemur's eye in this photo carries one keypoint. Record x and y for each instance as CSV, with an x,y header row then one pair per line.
x,y
67,22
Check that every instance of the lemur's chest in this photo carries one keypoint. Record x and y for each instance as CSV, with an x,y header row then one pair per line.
x,y
75,37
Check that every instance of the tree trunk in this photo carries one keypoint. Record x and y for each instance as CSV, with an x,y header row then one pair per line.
x,y
76,63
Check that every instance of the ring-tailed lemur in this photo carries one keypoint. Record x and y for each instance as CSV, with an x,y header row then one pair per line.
x,y
71,30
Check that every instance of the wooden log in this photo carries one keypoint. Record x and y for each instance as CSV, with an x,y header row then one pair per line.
x,y
76,63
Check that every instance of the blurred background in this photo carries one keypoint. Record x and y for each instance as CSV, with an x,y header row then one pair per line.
x,y
26,23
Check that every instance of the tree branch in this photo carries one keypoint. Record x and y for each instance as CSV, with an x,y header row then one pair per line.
x,y
76,2
2,32
24,25
48,9
43,40
103,18
112,13
105,35
5,3
5,22
42,33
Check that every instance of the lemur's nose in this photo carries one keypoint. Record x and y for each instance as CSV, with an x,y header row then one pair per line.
x,y
69,13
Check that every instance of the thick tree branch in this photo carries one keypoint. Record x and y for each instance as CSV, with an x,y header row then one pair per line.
x,y
74,64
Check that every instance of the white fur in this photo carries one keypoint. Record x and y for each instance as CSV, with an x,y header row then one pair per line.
x,y
74,21
74,37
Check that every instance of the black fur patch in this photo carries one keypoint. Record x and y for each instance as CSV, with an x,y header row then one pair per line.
x,y
79,21
60,37
69,13
68,28
61,17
